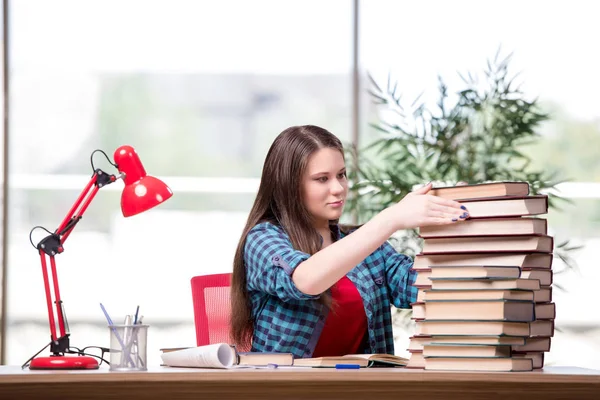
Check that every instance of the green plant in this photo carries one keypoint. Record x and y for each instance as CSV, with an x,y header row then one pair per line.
x,y
473,136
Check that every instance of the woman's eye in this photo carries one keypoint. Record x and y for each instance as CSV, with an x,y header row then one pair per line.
x,y
322,179
342,175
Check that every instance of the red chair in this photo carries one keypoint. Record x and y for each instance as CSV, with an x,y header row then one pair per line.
x,y
212,308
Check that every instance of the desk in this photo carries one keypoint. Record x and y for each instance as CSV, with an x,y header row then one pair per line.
x,y
382,383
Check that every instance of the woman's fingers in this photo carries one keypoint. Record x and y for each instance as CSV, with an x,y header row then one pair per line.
x,y
447,203
424,189
421,209
454,212
445,215
442,221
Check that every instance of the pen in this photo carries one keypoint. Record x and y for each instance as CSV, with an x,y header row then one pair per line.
x,y
127,333
139,322
110,323
106,315
347,366
137,310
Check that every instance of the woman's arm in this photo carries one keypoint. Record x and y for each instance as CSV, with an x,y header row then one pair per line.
x,y
326,267
270,261
399,277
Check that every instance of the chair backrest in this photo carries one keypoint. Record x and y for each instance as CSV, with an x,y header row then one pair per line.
x,y
212,308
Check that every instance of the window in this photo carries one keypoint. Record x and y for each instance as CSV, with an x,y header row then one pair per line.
x,y
417,41
200,89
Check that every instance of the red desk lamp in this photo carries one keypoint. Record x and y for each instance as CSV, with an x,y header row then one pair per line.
x,y
141,193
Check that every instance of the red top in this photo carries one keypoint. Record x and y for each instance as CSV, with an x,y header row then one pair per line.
x,y
345,328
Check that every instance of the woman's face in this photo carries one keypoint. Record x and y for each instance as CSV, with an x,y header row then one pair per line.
x,y
325,186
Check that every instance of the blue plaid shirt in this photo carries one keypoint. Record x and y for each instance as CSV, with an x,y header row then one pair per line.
x,y
289,321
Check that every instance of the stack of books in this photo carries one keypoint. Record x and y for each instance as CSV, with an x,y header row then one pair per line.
x,y
485,294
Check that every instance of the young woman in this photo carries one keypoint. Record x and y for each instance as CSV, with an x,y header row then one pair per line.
x,y
302,286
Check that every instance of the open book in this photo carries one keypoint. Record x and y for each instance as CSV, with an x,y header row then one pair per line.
x,y
220,355
364,360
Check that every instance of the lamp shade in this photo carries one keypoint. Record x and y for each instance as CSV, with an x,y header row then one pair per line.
x,y
141,191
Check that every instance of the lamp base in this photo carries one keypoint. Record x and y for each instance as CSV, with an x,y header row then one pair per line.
x,y
64,362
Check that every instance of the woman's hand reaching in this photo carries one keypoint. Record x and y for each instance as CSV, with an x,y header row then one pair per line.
x,y
418,209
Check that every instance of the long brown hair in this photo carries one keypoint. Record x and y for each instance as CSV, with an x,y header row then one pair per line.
x,y
277,202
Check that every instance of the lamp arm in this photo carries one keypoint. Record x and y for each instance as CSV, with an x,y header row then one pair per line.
x,y
52,245
98,180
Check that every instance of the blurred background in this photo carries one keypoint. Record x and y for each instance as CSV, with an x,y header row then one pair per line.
x,y
201,89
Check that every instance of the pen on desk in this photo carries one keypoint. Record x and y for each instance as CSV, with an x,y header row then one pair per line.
x,y
347,366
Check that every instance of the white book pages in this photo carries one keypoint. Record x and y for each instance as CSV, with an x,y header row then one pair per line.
x,y
220,355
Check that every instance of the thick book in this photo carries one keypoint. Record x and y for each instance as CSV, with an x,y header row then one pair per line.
x,y
492,364
422,279
534,344
417,342
363,360
536,356
541,328
417,360
485,284
489,244
428,293
524,295
264,358
543,295
485,328
476,271
465,350
418,310
491,310
220,355
545,276
545,311
488,189
494,207
488,227
522,260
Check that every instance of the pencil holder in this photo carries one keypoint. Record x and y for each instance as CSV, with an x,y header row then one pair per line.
x,y
128,350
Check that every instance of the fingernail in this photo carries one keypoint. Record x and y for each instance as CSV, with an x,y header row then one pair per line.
x,y
464,215
463,207
454,220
